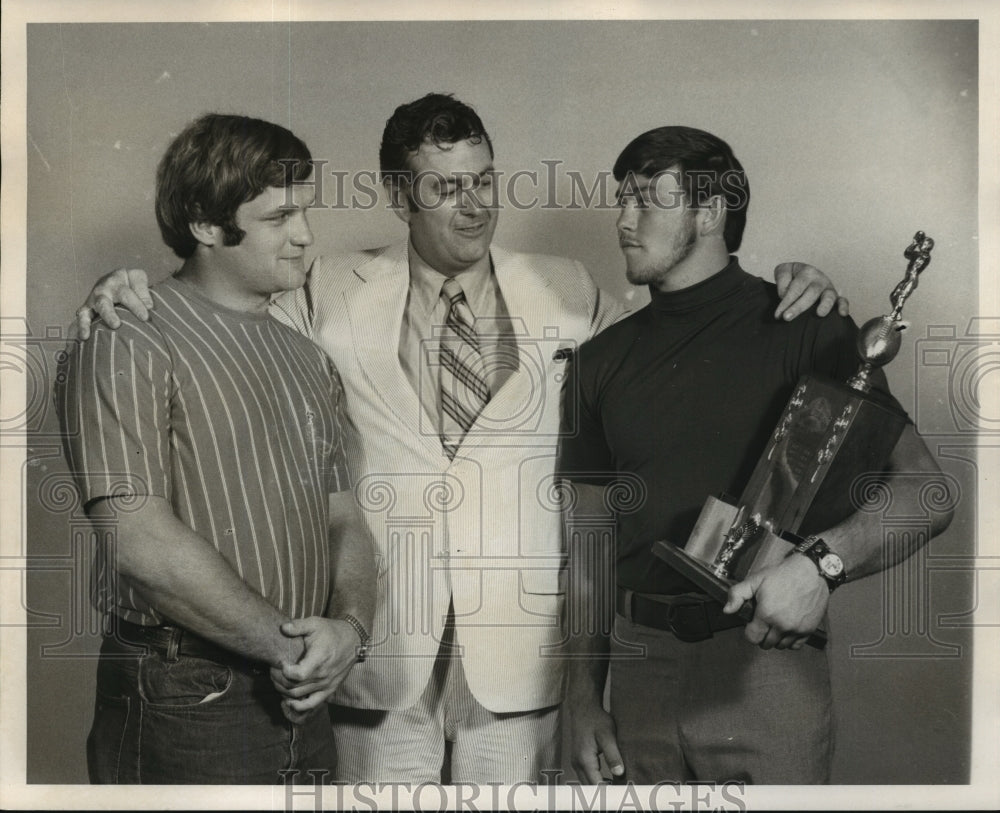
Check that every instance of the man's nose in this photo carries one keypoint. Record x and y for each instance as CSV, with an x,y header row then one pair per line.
x,y
299,233
626,218
472,201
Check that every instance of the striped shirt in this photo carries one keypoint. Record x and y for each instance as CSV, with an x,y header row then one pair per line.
x,y
234,419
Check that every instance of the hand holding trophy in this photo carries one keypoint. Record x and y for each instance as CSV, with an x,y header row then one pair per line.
x,y
828,434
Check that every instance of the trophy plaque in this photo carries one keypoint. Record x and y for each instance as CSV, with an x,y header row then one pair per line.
x,y
829,433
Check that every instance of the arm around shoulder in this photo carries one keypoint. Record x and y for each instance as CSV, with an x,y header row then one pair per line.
x,y
126,287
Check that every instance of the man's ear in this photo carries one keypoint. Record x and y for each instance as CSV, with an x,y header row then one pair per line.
x,y
399,199
712,216
208,234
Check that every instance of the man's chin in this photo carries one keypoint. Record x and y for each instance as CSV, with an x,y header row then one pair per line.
x,y
295,278
474,253
639,277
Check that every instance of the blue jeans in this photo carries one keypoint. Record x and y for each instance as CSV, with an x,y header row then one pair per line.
x,y
196,721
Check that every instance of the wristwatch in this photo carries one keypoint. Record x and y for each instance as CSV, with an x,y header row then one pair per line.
x,y
363,635
829,564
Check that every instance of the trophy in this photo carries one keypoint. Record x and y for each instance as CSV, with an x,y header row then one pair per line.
x,y
828,434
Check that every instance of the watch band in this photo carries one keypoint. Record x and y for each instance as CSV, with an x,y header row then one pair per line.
x,y
807,543
816,549
363,635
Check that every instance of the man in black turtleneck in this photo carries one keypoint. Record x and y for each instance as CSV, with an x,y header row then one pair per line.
x,y
677,401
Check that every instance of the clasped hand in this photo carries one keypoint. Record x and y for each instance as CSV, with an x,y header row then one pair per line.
x,y
330,650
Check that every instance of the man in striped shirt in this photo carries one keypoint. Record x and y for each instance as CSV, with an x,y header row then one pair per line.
x,y
238,582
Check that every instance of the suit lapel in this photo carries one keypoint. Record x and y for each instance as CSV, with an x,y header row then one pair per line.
x,y
530,304
375,309
525,292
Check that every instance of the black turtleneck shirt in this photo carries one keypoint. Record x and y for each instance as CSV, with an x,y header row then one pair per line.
x,y
678,401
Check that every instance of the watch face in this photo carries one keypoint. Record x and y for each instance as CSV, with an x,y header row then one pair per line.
x,y
832,565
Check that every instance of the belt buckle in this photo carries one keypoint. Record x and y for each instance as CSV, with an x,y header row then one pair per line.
x,y
688,621
630,606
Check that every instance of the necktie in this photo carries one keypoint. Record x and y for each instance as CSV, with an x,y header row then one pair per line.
x,y
464,391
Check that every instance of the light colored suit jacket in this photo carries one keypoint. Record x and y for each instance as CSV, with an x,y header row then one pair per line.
x,y
481,531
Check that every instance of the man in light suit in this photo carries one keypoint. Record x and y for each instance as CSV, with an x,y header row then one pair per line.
x,y
469,597
462,681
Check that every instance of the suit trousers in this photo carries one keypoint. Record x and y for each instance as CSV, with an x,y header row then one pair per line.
x,y
446,736
719,710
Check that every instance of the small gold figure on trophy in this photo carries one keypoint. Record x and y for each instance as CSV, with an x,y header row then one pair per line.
x,y
878,341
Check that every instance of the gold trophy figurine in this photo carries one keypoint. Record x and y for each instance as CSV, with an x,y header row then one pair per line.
x,y
879,339
828,434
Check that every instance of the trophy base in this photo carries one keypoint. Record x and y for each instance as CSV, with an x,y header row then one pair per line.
x,y
700,573
695,562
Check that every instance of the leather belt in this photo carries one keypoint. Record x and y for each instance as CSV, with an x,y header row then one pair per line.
x,y
172,642
691,617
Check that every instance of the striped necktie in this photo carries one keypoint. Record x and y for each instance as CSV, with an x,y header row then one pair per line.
x,y
464,391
